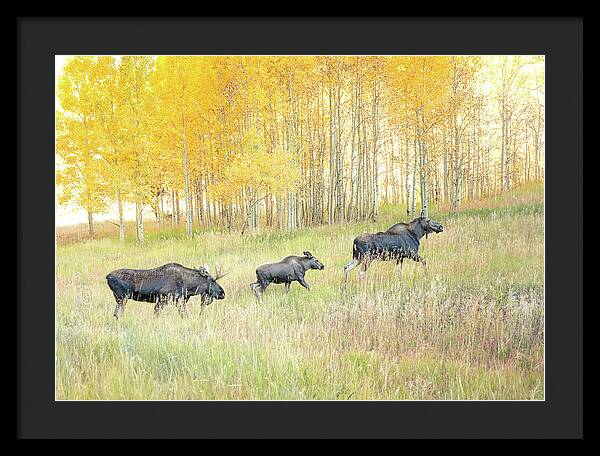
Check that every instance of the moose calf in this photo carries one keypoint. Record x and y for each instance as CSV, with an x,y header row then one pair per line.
x,y
291,269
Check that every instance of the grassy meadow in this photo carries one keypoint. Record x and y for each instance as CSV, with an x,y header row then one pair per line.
x,y
472,329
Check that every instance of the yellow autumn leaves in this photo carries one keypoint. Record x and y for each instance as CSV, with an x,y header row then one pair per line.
x,y
257,169
321,135
119,129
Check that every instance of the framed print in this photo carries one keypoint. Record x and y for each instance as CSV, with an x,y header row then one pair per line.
x,y
338,235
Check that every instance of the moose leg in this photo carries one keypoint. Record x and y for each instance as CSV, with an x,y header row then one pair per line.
x,y
363,270
160,303
349,268
258,288
254,287
205,300
287,287
261,290
120,307
181,307
302,282
399,267
423,262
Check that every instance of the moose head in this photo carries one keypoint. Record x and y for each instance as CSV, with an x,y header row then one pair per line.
x,y
313,263
427,225
213,289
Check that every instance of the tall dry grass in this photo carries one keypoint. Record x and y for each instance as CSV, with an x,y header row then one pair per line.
x,y
472,329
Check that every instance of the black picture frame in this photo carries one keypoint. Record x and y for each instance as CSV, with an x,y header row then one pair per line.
x,y
560,415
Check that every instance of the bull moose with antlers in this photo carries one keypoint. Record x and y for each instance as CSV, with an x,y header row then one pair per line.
x,y
169,282
398,242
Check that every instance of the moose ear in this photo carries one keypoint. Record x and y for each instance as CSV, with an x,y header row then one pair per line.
x,y
422,213
203,270
307,254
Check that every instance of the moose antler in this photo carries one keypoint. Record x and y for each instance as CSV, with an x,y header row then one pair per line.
x,y
219,273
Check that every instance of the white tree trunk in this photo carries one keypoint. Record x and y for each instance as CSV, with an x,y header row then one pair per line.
x,y
375,176
188,203
91,225
121,221
139,218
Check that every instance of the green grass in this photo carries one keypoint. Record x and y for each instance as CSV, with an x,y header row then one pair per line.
x,y
472,329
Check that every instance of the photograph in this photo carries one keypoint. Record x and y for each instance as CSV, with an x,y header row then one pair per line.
x,y
327,227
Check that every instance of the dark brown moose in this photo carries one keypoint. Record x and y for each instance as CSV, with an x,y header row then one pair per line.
x,y
400,241
291,269
169,282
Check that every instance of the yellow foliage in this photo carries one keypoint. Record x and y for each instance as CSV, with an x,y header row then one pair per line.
x,y
257,172
255,125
